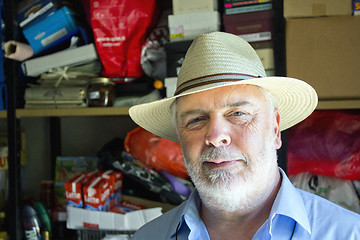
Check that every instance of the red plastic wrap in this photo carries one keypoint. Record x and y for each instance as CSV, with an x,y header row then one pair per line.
x,y
326,143
120,28
156,152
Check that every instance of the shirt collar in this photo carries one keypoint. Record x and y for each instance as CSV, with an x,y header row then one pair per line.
x,y
190,208
289,202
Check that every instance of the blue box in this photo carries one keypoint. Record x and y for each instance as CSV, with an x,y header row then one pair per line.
x,y
49,29
33,11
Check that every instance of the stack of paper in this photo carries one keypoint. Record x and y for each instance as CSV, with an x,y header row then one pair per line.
x,y
62,87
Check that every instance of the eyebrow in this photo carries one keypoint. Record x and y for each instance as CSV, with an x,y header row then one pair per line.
x,y
239,103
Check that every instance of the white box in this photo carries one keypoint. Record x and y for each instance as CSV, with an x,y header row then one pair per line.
x,y
266,56
188,26
170,85
193,6
78,218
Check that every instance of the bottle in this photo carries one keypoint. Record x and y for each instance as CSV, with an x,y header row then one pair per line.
x,y
31,223
101,92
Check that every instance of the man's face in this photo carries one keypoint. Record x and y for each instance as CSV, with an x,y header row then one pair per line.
x,y
229,137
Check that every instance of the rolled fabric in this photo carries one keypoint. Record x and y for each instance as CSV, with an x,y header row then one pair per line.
x,y
17,50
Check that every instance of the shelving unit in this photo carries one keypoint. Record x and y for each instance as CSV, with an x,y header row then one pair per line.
x,y
13,115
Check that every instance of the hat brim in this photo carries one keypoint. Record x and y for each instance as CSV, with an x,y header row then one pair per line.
x,y
296,100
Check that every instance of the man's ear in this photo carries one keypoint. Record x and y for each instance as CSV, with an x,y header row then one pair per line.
x,y
277,132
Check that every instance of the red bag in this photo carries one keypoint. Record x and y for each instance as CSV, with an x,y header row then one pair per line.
x,y
120,28
156,152
326,143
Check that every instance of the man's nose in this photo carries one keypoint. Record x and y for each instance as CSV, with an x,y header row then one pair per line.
x,y
217,134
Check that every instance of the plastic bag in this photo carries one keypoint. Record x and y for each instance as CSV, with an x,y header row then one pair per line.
x,y
326,143
339,191
120,28
153,56
156,152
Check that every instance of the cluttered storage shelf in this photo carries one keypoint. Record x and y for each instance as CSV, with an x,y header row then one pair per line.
x,y
123,111
65,112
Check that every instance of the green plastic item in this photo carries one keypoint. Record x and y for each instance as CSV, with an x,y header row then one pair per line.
x,y
43,215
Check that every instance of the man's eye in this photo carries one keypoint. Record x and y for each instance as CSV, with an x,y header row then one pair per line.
x,y
194,121
237,113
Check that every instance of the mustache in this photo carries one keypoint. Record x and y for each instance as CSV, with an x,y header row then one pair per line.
x,y
221,153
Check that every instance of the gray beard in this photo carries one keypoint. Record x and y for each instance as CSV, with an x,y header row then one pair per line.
x,y
225,191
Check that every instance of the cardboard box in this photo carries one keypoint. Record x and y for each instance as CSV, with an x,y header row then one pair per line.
x,y
325,53
253,26
316,8
78,218
188,26
97,194
193,6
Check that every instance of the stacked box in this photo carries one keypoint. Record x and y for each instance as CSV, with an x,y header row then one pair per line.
x,y
246,6
253,20
265,51
97,194
193,6
319,34
252,26
73,191
317,51
188,26
115,179
193,17
317,8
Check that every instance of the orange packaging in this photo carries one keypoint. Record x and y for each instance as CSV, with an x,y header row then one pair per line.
x,y
116,184
97,194
93,173
126,206
73,190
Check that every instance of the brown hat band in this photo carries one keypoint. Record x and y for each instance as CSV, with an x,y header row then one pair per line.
x,y
223,77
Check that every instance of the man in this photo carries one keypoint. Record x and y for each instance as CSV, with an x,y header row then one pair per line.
x,y
227,116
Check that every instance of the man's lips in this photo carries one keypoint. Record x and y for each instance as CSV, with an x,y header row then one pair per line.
x,y
221,163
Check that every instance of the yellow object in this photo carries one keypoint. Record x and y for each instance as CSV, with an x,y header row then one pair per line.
x,y
158,84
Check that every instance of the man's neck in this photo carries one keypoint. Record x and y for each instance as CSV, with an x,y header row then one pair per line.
x,y
225,225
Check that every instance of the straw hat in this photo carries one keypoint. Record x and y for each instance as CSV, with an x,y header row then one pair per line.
x,y
222,59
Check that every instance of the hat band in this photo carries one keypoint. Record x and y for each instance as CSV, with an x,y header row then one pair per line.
x,y
201,81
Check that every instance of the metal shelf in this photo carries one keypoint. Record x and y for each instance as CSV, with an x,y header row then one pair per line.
x,y
70,112
124,111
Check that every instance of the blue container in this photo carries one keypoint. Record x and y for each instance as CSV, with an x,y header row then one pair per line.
x,y
49,29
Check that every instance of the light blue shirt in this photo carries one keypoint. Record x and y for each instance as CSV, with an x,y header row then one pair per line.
x,y
295,214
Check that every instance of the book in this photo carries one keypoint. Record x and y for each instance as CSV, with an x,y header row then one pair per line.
x,y
65,58
33,11
239,3
249,8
